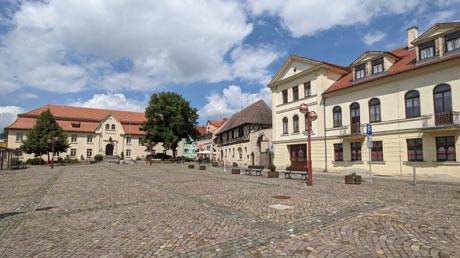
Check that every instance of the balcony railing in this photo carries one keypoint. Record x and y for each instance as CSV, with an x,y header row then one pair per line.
x,y
444,118
355,128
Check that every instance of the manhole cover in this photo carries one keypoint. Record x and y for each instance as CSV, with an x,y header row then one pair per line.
x,y
281,197
280,206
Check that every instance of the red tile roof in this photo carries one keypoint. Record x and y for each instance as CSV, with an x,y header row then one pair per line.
x,y
405,64
217,123
88,118
201,130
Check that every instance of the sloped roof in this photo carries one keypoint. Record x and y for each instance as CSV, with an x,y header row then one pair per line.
x,y
217,123
257,113
201,130
405,64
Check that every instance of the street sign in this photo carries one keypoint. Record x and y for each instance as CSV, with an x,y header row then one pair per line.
x,y
271,147
369,129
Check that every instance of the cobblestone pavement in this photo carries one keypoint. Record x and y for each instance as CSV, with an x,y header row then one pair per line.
x,y
168,210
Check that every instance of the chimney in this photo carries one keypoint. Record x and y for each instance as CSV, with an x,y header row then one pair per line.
x,y
412,34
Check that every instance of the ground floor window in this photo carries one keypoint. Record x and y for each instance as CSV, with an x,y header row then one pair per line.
x,y
240,153
128,153
377,151
415,149
338,152
89,152
445,148
73,152
355,151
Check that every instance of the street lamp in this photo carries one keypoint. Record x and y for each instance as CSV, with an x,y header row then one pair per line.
x,y
310,116
151,143
52,140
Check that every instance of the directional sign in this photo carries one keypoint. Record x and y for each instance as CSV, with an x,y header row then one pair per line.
x,y
369,129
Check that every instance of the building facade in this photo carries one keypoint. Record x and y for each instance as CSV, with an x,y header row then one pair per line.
x,y
409,97
246,137
91,131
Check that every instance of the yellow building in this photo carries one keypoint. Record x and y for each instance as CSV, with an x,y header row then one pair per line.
x,y
410,97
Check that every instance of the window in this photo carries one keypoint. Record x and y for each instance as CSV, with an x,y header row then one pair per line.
x,y
285,125
355,151
374,110
337,115
338,152
295,123
360,71
141,140
306,125
295,92
73,138
241,131
75,125
415,149
89,152
445,148
285,96
307,87
443,104
113,127
240,153
377,151
128,140
377,66
107,127
453,41
128,153
73,152
89,139
426,50
355,118
19,136
412,104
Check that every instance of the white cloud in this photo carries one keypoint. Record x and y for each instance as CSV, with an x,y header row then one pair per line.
x,y
373,37
8,115
304,18
114,101
70,46
232,100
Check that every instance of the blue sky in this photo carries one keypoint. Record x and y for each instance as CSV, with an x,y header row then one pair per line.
x,y
219,55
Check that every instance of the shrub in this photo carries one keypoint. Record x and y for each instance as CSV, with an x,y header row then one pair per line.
x,y
138,158
71,161
98,157
272,167
35,161
235,164
82,158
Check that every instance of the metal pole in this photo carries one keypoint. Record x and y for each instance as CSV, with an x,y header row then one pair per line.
x,y
414,173
309,172
370,161
52,152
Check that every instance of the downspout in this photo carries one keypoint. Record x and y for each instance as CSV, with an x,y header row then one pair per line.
x,y
325,137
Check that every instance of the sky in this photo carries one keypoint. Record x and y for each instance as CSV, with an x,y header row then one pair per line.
x,y
219,55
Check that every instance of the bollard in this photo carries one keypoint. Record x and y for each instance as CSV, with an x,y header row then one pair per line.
x,y
414,173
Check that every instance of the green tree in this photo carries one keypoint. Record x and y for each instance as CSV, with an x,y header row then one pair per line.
x,y
170,119
44,129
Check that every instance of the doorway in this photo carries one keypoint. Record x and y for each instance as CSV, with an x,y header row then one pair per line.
x,y
298,155
109,149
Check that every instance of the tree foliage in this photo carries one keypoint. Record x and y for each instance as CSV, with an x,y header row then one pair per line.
x,y
169,120
44,129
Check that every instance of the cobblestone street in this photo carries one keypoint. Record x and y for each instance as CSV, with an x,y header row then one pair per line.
x,y
168,210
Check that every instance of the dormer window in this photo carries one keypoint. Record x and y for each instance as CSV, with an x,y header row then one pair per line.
x,y
360,71
426,50
453,41
377,66
75,125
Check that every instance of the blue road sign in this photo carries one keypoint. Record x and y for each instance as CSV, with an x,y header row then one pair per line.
x,y
369,129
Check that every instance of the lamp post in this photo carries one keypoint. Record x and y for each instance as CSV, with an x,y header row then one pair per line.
x,y
52,140
310,116
151,150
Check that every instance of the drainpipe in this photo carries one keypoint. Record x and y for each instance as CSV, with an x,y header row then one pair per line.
x,y
325,138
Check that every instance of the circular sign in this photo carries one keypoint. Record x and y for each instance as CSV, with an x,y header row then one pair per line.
x,y
451,149
312,115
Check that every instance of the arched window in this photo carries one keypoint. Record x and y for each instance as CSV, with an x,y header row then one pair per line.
x,y
412,99
355,118
443,104
337,115
295,123
285,125
113,127
107,127
374,110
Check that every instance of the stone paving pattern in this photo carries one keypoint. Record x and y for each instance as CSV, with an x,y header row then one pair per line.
x,y
168,210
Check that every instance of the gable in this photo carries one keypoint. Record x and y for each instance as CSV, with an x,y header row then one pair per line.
x,y
293,66
436,31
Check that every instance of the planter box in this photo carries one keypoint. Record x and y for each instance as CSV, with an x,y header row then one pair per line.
x,y
353,179
215,164
191,166
235,171
202,167
273,174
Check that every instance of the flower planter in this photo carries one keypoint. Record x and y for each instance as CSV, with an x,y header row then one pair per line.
x,y
215,164
273,174
202,167
191,166
235,171
353,179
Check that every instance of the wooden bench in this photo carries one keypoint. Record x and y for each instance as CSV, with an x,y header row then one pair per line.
x,y
303,172
257,169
